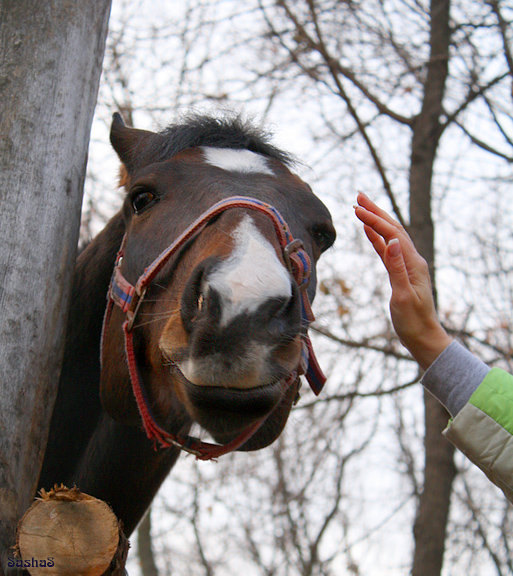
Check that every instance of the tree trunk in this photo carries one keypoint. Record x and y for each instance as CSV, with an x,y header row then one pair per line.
x,y
145,548
433,510
51,57
68,533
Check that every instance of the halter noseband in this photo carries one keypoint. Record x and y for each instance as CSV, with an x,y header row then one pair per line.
x,y
129,298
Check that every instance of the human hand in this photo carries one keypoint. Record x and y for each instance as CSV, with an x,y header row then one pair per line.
x,y
412,307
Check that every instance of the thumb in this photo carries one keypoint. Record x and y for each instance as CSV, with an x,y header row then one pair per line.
x,y
395,265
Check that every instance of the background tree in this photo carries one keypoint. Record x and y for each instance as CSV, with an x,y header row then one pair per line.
x,y
50,65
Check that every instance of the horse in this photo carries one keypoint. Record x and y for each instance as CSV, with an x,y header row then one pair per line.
x,y
209,271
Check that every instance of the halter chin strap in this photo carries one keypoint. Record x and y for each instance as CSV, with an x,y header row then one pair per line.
x,y
129,298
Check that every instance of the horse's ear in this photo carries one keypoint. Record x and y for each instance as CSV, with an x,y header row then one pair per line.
x,y
127,142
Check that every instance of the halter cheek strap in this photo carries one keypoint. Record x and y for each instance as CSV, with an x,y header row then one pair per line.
x,y
129,298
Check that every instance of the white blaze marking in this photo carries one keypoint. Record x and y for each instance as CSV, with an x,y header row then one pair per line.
x,y
251,275
237,160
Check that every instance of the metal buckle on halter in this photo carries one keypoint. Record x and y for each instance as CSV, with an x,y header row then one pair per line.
x,y
185,446
292,248
289,249
137,300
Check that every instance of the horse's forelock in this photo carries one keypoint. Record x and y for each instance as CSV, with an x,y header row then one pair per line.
x,y
198,130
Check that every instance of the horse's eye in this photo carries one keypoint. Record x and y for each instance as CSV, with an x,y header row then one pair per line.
x,y
324,236
143,198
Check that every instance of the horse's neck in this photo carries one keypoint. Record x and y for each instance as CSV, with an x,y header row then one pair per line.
x,y
90,284
121,466
77,408
88,300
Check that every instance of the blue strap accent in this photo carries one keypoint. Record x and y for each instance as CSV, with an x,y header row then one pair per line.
x,y
316,382
119,294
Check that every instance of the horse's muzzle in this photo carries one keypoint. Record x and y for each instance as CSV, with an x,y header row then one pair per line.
x,y
255,347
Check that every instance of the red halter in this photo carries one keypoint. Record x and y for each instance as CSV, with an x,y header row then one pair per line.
x,y
129,298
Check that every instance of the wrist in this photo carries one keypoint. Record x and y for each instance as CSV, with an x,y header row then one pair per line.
x,y
429,346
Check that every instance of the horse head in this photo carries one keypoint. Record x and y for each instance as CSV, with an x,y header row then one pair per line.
x,y
216,324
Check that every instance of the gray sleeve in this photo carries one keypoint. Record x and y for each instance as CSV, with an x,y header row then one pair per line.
x,y
453,377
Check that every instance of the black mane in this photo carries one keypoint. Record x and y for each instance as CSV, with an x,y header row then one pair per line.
x,y
226,132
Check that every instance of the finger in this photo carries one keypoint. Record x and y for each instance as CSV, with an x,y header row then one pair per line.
x,y
376,240
388,229
379,224
365,202
396,268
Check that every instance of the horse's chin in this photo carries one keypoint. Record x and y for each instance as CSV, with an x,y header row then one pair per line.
x,y
274,424
225,413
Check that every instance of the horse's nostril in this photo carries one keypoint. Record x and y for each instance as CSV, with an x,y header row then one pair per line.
x,y
197,297
281,317
193,298
194,314
276,308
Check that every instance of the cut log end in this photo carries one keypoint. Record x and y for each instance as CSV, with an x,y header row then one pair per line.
x,y
66,532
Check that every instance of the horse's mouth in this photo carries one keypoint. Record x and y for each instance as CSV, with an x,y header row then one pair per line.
x,y
252,403
226,412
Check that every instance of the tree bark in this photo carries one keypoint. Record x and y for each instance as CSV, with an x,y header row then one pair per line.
x,y
439,470
51,57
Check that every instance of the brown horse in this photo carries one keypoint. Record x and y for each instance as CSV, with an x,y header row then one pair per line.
x,y
207,313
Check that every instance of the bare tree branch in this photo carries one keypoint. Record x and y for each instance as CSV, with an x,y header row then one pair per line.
x,y
334,70
496,6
